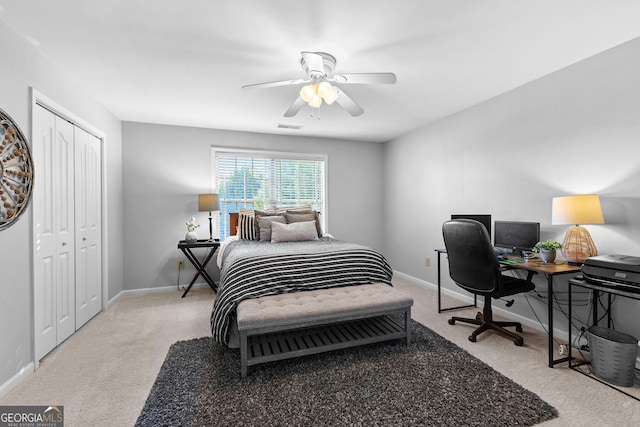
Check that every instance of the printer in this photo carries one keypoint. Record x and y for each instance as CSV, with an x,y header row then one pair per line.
x,y
613,270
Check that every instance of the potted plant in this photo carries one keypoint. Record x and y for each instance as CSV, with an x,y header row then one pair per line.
x,y
547,250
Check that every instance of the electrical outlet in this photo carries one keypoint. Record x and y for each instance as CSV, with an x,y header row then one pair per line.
x,y
562,349
427,262
180,264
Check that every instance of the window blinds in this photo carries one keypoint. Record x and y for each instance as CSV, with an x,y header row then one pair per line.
x,y
262,180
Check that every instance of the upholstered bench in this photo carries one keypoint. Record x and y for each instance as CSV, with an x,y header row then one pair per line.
x,y
277,327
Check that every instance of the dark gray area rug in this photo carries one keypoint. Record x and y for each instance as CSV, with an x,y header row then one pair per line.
x,y
432,382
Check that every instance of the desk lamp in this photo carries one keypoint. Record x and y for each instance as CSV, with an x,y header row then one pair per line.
x,y
580,209
208,203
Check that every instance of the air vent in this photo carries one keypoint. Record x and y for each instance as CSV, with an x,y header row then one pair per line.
x,y
286,126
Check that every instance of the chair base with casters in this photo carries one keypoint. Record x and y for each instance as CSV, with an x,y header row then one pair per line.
x,y
486,323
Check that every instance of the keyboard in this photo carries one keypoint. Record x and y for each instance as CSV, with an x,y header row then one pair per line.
x,y
509,261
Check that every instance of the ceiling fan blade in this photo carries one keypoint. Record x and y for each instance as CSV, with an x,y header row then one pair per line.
x,y
365,78
295,107
314,63
275,84
349,104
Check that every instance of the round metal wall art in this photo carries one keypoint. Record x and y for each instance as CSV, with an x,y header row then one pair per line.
x,y
16,172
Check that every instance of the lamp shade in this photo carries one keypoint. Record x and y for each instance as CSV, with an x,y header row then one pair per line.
x,y
579,209
208,202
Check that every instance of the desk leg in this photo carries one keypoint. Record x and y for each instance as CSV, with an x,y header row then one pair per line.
x,y
570,314
553,362
439,301
440,309
550,319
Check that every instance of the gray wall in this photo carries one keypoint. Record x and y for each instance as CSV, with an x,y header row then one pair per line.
x,y
574,131
165,167
23,68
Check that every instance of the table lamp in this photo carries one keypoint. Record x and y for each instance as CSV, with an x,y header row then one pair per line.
x,y
580,209
208,203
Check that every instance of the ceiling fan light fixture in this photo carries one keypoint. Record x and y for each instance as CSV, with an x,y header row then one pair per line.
x,y
315,101
324,88
330,97
319,68
307,92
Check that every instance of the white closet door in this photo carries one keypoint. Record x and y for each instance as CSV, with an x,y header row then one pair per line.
x,y
54,258
44,264
88,226
65,229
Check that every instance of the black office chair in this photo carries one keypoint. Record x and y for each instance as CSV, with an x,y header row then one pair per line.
x,y
474,266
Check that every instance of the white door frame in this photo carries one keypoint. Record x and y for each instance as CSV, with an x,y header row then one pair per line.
x,y
38,98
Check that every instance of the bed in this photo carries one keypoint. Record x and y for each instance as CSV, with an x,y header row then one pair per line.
x,y
254,268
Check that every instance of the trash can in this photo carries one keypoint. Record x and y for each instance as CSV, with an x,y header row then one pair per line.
x,y
613,355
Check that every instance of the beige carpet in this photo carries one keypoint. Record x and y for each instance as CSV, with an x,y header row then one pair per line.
x,y
102,374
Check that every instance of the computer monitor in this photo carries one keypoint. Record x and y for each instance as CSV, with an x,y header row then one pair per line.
x,y
484,219
516,235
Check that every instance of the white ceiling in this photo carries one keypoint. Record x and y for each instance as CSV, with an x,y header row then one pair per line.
x,y
183,62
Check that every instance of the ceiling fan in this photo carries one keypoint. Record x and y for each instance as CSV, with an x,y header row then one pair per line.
x,y
319,68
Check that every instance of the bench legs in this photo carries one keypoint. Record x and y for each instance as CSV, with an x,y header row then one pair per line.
x,y
407,324
341,329
243,354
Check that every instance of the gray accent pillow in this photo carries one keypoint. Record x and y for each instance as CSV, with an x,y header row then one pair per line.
x,y
258,213
303,216
294,232
284,209
264,225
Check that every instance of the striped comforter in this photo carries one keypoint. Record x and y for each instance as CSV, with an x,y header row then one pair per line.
x,y
253,269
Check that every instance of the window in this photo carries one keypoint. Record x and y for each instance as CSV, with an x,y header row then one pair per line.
x,y
263,180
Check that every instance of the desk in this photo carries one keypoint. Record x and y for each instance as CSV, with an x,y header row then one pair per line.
x,y
532,266
186,248
596,288
550,270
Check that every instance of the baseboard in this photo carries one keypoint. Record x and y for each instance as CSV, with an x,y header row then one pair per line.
x,y
151,291
13,382
29,369
417,281
558,334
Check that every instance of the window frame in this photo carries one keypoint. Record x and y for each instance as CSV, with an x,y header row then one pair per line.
x,y
223,225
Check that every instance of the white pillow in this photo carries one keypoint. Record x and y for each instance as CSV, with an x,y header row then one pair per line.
x,y
294,232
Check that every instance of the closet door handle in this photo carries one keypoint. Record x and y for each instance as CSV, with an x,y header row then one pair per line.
x,y
64,243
